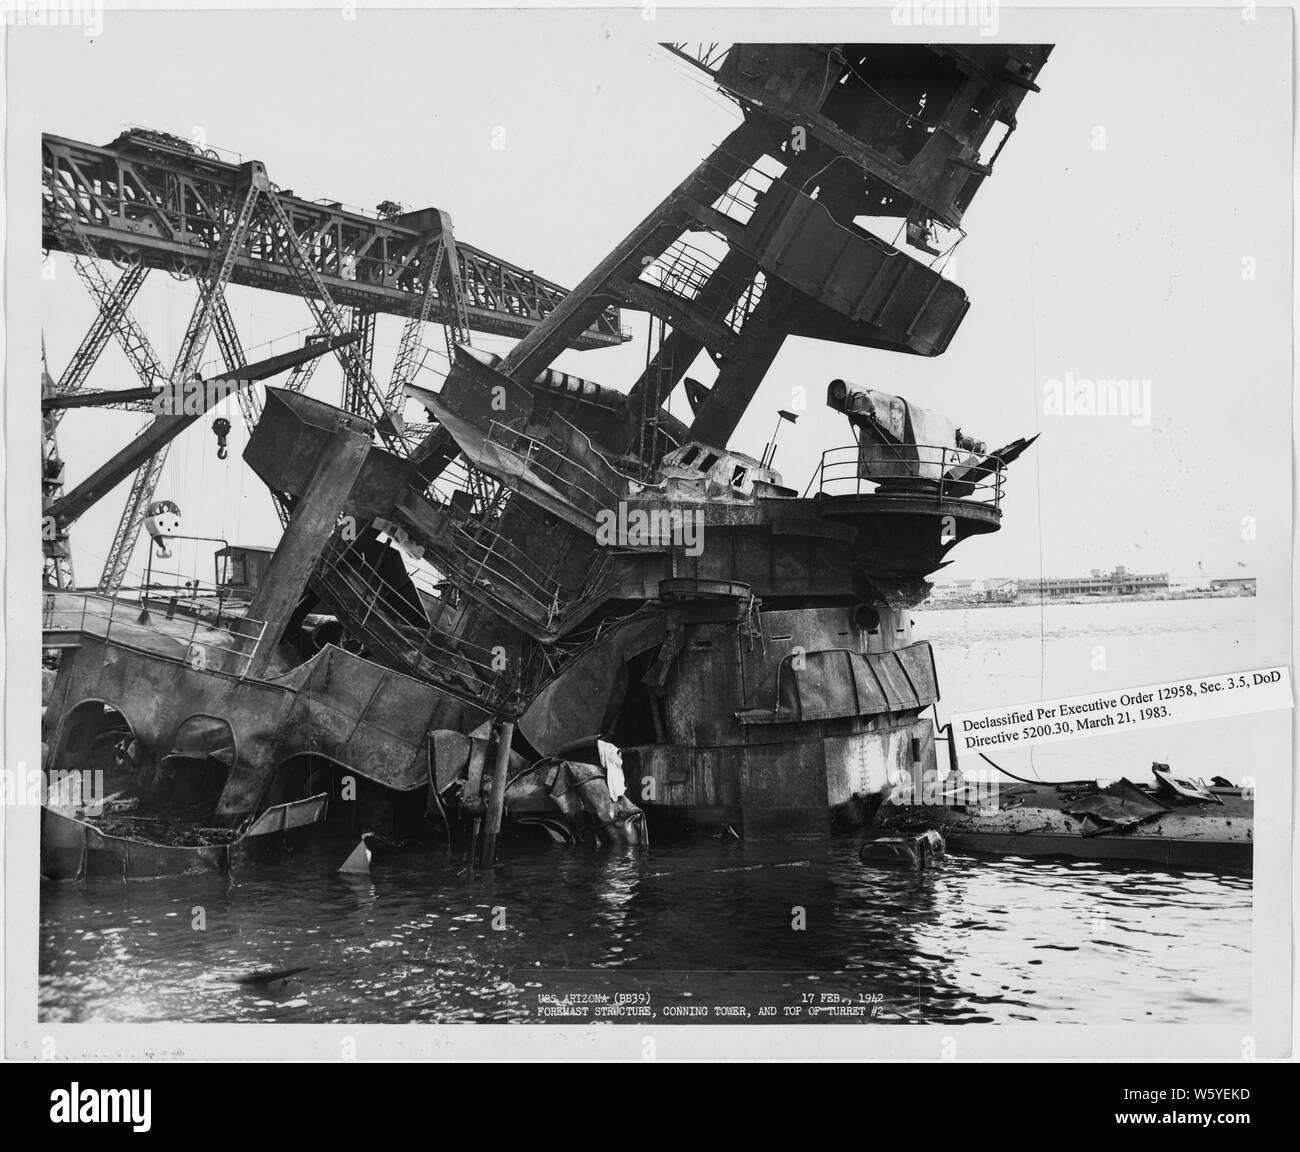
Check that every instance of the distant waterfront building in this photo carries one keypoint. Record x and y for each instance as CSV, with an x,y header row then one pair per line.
x,y
1120,582
1001,588
991,589
1235,583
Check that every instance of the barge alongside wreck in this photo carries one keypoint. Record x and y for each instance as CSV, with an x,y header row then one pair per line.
x,y
556,603
1172,824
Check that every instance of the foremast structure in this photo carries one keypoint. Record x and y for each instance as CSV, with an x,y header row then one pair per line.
x,y
613,576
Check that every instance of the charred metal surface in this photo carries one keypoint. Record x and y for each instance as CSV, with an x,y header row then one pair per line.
x,y
337,706
926,122
629,624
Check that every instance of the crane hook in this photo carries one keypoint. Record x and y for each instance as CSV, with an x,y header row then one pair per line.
x,y
221,426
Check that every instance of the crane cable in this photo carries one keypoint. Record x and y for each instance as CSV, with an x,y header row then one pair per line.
x,y
1013,776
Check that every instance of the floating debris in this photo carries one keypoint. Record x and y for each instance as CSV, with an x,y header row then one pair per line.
x,y
358,860
270,976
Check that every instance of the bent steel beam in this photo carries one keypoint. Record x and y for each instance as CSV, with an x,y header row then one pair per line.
x,y
314,517
166,428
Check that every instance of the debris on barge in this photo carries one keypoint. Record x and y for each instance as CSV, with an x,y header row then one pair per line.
x,y
1171,823
524,602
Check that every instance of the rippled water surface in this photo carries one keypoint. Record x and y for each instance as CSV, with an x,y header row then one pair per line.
x,y
705,924
791,926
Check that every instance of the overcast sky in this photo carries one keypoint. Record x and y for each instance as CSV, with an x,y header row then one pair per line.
x,y
1117,262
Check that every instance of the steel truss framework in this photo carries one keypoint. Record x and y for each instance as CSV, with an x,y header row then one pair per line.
x,y
163,207
142,204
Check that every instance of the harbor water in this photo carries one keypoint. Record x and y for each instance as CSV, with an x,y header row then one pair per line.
x,y
793,931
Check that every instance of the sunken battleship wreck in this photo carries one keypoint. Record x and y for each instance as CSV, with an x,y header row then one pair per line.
x,y
548,607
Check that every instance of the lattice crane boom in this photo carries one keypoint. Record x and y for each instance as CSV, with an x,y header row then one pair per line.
x,y
145,203
211,289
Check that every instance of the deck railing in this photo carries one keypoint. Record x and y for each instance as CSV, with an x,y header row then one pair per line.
x,y
926,469
221,643
574,483
381,612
